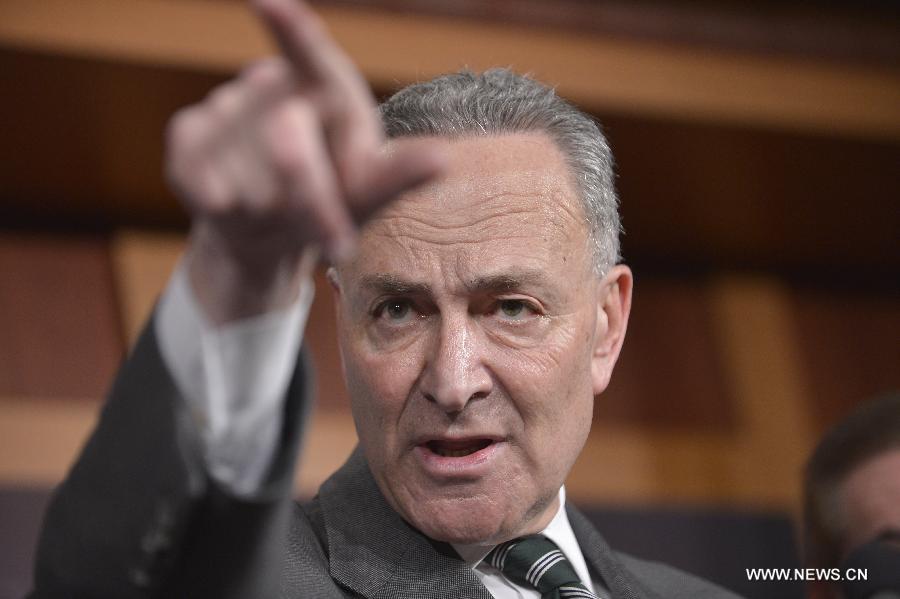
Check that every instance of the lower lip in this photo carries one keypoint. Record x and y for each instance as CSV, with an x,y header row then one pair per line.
x,y
475,464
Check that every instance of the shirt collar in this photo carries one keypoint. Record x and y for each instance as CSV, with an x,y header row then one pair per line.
x,y
559,531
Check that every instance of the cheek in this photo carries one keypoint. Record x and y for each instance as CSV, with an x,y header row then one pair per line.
x,y
552,390
551,375
378,384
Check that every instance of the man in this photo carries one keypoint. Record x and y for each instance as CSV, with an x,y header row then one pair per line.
x,y
852,505
480,311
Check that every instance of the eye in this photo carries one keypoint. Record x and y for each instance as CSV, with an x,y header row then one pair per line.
x,y
394,311
511,308
514,309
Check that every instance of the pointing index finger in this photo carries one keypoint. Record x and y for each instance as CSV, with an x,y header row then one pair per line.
x,y
300,35
330,80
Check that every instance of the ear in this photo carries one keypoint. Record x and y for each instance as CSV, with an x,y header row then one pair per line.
x,y
334,280
332,275
613,308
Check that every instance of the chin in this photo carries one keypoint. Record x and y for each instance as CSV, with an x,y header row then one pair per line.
x,y
460,520
468,532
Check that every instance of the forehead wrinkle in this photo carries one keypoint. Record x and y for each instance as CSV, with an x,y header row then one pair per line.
x,y
500,181
440,222
546,188
450,242
501,223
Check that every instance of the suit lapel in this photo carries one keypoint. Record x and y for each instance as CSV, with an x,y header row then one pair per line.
x,y
620,582
375,553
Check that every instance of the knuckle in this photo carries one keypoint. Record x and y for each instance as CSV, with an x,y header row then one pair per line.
x,y
225,101
296,114
266,71
185,135
184,128
290,135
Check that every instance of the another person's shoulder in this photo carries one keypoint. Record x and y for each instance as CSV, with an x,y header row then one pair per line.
x,y
670,582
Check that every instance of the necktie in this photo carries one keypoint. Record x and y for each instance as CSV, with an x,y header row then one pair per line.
x,y
536,562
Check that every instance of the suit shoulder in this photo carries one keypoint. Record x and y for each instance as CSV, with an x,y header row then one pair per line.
x,y
670,582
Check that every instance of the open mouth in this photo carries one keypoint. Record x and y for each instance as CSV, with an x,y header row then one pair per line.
x,y
457,449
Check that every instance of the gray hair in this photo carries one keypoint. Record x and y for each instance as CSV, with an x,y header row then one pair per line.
x,y
500,101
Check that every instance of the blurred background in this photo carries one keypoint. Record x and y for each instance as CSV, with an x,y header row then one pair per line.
x,y
758,149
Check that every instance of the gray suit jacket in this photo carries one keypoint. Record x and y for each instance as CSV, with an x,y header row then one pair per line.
x,y
138,517
348,542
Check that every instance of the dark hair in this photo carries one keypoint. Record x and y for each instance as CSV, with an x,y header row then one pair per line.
x,y
871,429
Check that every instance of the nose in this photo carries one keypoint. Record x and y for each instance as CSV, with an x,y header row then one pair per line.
x,y
455,373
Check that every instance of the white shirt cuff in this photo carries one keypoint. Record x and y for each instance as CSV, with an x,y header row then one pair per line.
x,y
234,378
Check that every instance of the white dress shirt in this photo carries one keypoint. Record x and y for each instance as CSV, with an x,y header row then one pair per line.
x,y
235,378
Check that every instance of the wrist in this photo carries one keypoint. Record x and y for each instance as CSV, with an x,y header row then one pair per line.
x,y
235,277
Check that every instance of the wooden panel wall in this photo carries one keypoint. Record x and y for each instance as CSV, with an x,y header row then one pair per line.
x,y
599,72
60,327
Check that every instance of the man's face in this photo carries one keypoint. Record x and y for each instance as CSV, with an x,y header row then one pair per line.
x,y
869,505
870,497
474,337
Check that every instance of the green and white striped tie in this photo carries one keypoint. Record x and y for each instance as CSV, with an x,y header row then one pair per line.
x,y
536,562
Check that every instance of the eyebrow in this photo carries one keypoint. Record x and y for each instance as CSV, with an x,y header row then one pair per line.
x,y
393,285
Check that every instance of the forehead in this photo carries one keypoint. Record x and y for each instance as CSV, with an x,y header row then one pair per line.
x,y
503,198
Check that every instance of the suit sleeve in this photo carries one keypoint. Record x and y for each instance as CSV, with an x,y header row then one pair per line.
x,y
138,515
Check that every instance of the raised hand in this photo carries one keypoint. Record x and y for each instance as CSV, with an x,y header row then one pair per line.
x,y
287,158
